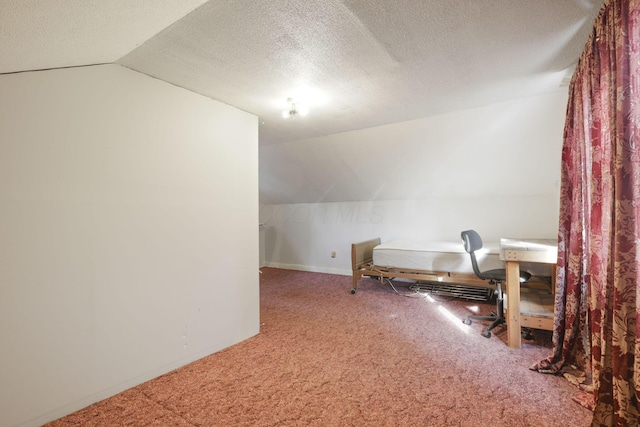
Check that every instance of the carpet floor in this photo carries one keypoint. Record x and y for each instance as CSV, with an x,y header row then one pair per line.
x,y
325,357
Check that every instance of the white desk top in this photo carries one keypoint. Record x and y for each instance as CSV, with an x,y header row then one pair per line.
x,y
531,250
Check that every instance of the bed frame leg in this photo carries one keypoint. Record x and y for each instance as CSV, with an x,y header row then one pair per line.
x,y
354,286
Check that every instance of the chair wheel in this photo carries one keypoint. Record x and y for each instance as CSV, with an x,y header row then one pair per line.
x,y
353,291
466,321
486,334
527,335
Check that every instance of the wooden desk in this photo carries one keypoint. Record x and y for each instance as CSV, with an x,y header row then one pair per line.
x,y
514,251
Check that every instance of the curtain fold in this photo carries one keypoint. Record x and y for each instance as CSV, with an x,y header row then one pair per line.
x,y
597,305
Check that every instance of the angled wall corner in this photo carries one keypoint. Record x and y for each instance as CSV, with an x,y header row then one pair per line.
x,y
127,243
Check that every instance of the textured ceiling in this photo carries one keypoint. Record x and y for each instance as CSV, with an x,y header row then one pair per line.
x,y
375,62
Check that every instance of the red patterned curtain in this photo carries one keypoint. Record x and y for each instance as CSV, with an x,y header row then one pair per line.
x,y
597,326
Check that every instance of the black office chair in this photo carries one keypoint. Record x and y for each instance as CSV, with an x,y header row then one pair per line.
x,y
472,242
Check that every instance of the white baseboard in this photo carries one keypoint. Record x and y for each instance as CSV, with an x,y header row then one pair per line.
x,y
312,269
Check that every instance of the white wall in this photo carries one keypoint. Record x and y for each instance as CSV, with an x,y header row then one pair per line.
x,y
128,239
495,169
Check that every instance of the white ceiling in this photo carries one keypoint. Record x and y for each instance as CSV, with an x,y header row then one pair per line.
x,y
374,61
40,34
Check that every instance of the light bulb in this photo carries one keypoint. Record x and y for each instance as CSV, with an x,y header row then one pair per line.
x,y
294,110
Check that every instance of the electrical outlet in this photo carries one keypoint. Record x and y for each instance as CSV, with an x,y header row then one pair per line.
x,y
333,254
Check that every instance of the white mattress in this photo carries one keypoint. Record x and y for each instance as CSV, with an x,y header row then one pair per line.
x,y
434,256
442,257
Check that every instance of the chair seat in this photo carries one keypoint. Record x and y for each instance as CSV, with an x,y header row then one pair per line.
x,y
472,242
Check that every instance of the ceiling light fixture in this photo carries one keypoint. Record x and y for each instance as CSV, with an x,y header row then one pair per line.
x,y
293,111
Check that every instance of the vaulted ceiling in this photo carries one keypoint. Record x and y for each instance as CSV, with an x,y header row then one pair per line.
x,y
371,62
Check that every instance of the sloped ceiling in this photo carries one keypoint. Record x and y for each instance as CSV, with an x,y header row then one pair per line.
x,y
376,62
373,62
66,33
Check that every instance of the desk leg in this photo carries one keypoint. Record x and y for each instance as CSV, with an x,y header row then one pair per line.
x,y
513,304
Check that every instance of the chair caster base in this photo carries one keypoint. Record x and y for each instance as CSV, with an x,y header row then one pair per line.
x,y
353,291
486,334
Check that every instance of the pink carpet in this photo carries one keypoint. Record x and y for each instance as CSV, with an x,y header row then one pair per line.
x,y
325,357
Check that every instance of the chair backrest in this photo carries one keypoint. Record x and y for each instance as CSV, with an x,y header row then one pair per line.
x,y
472,242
